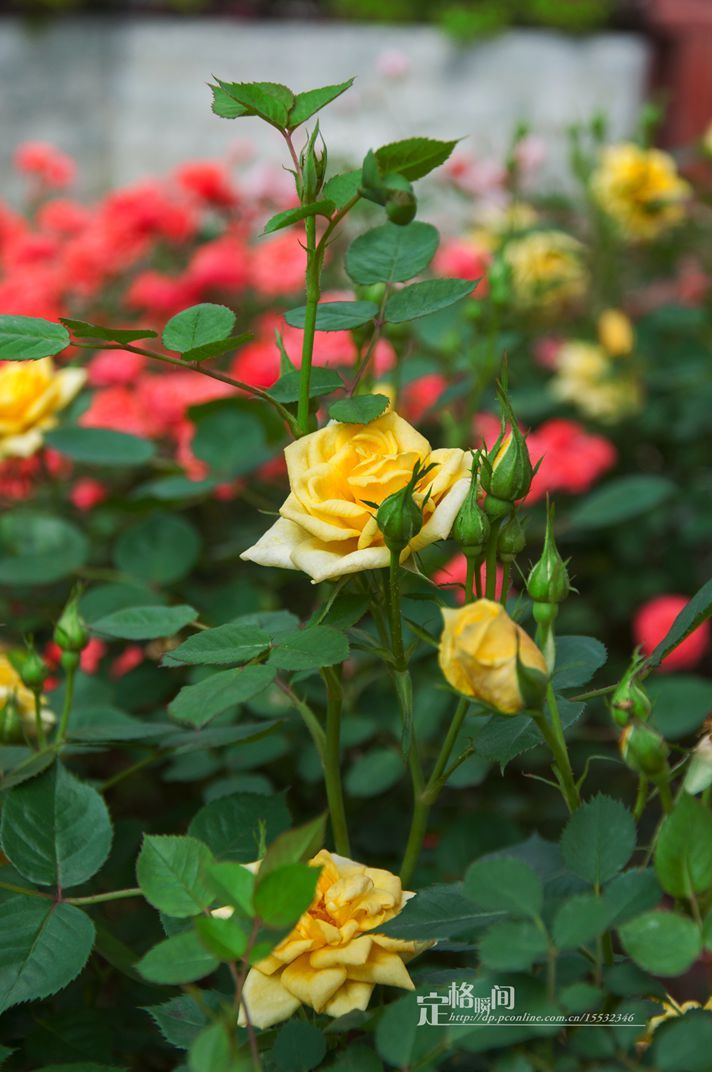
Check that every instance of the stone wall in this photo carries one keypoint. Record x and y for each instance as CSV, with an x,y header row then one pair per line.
x,y
128,98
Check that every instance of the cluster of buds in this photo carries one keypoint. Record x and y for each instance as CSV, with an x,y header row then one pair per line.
x,y
641,746
507,470
471,527
400,516
313,169
71,634
548,583
391,190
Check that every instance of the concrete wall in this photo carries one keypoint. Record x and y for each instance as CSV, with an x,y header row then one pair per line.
x,y
128,98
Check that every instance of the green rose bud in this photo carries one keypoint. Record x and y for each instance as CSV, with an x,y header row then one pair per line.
x,y
630,700
548,580
511,540
31,667
10,722
643,749
71,633
471,527
399,516
313,167
507,470
401,202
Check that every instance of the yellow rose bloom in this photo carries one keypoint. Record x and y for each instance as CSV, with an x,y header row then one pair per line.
x,y
547,269
498,223
640,189
478,654
615,332
13,690
31,395
586,377
326,529
671,1010
333,958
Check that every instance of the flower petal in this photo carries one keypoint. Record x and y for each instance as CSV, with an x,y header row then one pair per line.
x,y
266,999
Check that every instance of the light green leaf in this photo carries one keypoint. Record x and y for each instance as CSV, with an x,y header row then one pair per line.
x,y
294,215
422,299
599,839
43,947
216,349
309,649
505,884
179,959
683,848
100,446
172,873
362,409
211,696
197,326
336,315
55,829
233,884
620,500
267,100
26,338
662,943
284,893
391,254
312,101
413,157
161,549
144,623
226,939
323,382
226,645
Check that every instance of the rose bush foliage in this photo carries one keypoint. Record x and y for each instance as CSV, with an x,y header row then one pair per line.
x,y
238,807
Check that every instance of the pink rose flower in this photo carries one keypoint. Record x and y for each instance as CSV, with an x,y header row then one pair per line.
x,y
653,620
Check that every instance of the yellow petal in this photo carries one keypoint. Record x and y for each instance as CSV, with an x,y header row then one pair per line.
x,y
349,997
310,986
266,999
383,967
354,952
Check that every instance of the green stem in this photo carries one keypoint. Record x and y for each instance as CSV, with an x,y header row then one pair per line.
x,y
332,761
665,795
101,898
641,797
469,579
146,761
491,560
447,746
394,610
309,718
478,579
506,569
11,888
67,709
313,282
39,725
557,746
416,835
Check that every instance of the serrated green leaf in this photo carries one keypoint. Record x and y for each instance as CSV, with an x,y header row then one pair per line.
x,y
284,893
226,645
226,939
55,829
391,254
100,446
512,945
172,874
437,913
336,315
294,215
43,947
690,617
580,920
26,338
361,409
311,101
213,695
270,101
662,943
84,330
309,649
323,382
422,299
413,157
179,959
683,848
630,894
181,1019
505,885
577,660
233,884
342,188
217,348
231,441
599,839
144,623
197,326
161,549
230,826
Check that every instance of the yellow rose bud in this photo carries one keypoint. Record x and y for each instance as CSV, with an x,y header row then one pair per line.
x,y
478,654
21,699
615,332
31,395
334,957
336,477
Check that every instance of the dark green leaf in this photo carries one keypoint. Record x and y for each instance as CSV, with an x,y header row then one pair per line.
x,y
299,1047
81,329
225,938
414,157
437,913
309,649
293,846
690,617
505,885
37,549
580,920
145,623
26,338
577,660
599,839
197,326
230,826
374,772
391,254
620,500
630,894
681,703
422,299
361,409
226,645
179,959
230,440
512,945
336,315
172,874
199,703
181,1019
683,849
55,829
161,549
312,101
100,446
294,215
684,1043
43,946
